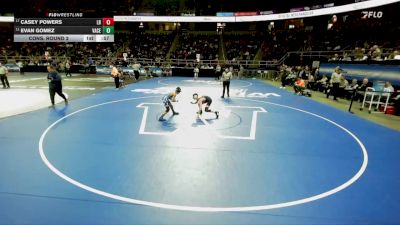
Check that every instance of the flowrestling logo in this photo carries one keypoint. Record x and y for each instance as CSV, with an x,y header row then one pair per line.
x,y
64,15
372,14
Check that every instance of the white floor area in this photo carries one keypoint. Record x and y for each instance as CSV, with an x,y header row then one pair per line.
x,y
17,101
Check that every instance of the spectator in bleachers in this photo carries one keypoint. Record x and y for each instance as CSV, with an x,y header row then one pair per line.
x,y
149,46
284,71
375,53
396,55
342,86
350,89
359,54
305,73
190,45
290,78
311,82
388,87
346,57
241,46
335,57
361,90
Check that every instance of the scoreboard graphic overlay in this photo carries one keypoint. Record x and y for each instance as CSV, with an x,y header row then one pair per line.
x,y
63,29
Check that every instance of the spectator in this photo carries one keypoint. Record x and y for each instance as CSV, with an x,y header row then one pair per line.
x,y
115,74
217,72
396,101
388,87
351,89
346,57
375,53
241,71
335,58
190,45
168,70
241,47
342,86
148,72
311,82
361,90
67,69
136,67
334,83
396,55
299,86
196,72
20,65
3,76
358,54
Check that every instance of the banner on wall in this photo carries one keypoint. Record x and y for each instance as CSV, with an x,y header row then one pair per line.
x,y
374,72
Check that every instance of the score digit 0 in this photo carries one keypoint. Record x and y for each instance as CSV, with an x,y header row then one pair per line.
x,y
108,21
108,30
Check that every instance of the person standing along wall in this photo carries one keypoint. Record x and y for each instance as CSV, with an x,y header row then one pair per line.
x,y
334,83
55,84
20,65
115,75
196,72
241,71
136,67
217,72
67,69
3,76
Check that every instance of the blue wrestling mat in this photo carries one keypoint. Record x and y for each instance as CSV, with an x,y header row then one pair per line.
x,y
270,158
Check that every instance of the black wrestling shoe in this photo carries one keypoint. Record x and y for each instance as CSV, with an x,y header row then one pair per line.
x,y
161,119
217,114
175,113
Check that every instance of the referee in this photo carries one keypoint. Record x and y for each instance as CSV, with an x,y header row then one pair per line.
x,y
55,85
226,81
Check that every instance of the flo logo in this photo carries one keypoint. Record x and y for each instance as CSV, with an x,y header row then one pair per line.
x,y
372,14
